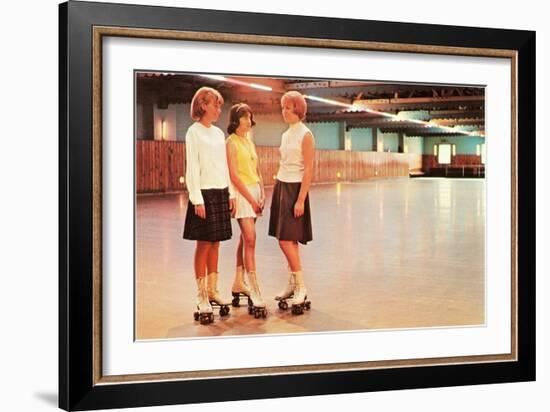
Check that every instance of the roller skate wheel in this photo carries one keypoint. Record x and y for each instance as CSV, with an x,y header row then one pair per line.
x,y
297,310
264,313
236,302
196,316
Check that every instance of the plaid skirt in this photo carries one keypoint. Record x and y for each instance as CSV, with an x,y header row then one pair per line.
x,y
217,225
282,223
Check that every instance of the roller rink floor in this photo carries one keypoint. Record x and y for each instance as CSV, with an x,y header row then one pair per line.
x,y
386,254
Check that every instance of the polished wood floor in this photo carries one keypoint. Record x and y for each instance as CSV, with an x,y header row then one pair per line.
x,y
401,253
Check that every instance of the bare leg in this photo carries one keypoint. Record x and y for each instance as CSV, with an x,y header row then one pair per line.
x,y
201,254
212,258
296,246
240,252
292,254
248,230
204,309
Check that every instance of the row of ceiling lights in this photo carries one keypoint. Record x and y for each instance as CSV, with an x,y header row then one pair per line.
x,y
352,107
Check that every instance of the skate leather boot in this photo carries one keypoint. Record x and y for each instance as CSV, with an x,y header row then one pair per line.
x,y
258,305
204,309
214,295
300,302
239,288
288,292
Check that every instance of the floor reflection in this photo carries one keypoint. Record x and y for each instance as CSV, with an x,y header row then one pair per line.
x,y
386,254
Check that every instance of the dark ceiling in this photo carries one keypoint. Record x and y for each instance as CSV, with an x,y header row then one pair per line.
x,y
421,109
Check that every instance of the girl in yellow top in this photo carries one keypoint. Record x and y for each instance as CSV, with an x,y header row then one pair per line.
x,y
246,178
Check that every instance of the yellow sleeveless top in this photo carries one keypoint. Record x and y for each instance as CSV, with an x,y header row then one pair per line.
x,y
247,159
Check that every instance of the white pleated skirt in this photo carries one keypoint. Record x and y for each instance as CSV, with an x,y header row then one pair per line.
x,y
243,208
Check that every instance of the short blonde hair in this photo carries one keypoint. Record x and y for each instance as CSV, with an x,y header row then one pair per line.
x,y
298,101
203,96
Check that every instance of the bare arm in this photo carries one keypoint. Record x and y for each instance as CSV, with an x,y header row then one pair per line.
x,y
262,189
308,151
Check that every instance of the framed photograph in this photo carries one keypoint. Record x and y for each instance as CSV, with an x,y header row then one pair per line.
x,y
257,206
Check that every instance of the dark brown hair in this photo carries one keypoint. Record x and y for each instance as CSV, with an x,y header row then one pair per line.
x,y
237,111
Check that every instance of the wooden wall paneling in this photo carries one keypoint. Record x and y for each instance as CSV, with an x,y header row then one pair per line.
x,y
160,164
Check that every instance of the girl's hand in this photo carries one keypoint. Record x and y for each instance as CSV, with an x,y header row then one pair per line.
x,y
256,207
200,211
232,207
262,200
298,209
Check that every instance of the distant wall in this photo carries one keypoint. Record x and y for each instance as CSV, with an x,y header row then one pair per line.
x,y
160,165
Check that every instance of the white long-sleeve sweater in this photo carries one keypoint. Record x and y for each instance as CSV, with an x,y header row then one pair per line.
x,y
206,161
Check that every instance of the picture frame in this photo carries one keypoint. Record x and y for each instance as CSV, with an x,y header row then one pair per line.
x,y
82,385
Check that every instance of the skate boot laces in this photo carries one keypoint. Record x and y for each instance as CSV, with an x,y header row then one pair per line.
x,y
255,290
290,287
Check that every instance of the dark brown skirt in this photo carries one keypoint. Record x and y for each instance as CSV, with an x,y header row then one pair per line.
x,y
282,223
217,225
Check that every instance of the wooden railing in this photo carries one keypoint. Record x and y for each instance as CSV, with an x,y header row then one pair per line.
x,y
461,165
430,160
160,165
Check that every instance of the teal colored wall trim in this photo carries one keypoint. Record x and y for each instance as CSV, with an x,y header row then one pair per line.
x,y
327,135
183,119
414,114
464,145
391,141
415,144
361,139
268,130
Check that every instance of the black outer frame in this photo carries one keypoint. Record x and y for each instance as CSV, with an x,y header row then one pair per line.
x,y
76,388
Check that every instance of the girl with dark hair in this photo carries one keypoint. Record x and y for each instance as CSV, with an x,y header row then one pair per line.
x,y
244,171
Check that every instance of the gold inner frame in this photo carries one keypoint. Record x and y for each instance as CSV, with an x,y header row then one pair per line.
x,y
100,31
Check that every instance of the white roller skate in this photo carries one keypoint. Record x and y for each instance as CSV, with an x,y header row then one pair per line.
x,y
258,305
204,309
299,301
240,288
214,295
288,292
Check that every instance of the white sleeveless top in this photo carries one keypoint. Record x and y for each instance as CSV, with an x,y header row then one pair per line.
x,y
291,166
